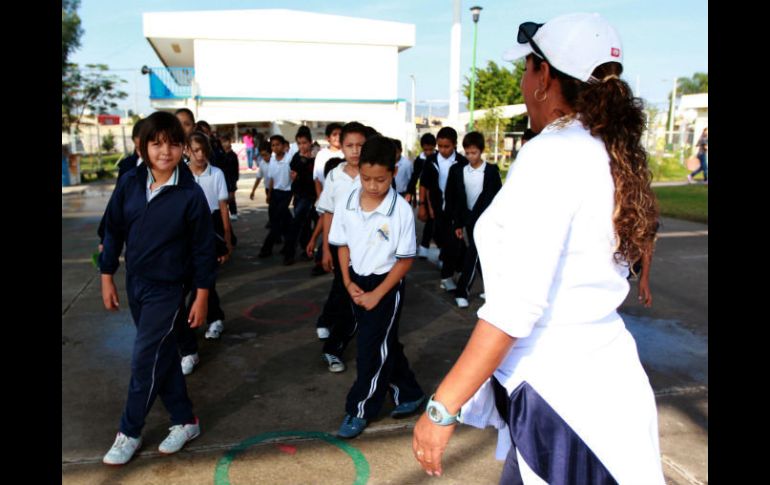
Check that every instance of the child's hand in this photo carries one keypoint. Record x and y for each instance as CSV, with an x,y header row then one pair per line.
x,y
110,294
309,249
198,312
368,300
422,214
459,233
354,290
327,262
408,197
251,196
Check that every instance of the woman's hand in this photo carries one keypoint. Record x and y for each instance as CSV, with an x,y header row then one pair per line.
x,y
429,441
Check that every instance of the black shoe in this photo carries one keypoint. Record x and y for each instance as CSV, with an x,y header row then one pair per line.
x,y
305,258
288,260
265,254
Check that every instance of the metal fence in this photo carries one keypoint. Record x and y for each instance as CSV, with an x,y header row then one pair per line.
x,y
680,143
171,82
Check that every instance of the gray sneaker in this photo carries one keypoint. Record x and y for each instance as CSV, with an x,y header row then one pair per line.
x,y
189,362
179,435
215,330
335,364
122,450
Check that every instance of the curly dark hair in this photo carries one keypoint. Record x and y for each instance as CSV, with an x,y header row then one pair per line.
x,y
610,111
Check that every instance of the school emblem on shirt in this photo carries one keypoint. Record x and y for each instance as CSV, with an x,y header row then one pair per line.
x,y
384,232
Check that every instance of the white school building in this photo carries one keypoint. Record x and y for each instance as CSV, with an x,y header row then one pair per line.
x,y
274,69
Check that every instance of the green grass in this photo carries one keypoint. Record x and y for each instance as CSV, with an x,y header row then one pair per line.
x,y
666,169
89,167
688,202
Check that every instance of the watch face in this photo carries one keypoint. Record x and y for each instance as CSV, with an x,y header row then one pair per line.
x,y
434,414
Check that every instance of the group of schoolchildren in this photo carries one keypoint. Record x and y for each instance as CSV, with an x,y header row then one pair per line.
x,y
175,222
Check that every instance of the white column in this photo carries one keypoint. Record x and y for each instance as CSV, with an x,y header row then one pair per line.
x,y
454,66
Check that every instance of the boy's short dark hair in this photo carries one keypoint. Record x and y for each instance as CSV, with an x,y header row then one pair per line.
x,y
447,133
202,139
474,139
370,132
428,139
226,136
279,138
397,142
331,164
352,127
137,128
331,127
186,111
265,146
304,132
379,150
157,125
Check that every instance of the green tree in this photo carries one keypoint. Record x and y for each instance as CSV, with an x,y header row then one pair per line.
x,y
108,142
698,83
91,89
496,85
70,31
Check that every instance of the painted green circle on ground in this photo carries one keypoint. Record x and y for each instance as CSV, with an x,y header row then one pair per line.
x,y
221,474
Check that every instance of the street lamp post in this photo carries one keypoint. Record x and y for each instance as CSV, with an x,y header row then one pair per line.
x,y
475,11
671,115
413,98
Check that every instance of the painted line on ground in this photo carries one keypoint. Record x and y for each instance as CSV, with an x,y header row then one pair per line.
x,y
221,473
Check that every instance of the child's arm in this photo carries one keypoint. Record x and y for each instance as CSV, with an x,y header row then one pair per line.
x,y
254,189
370,299
327,261
225,213
204,258
310,248
269,188
199,309
318,188
353,289
109,293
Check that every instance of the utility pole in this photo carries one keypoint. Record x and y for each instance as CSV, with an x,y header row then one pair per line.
x,y
475,11
671,115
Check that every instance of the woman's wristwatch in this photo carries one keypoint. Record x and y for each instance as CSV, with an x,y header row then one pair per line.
x,y
438,413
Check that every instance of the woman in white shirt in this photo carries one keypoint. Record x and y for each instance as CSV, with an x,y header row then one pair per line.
x,y
550,362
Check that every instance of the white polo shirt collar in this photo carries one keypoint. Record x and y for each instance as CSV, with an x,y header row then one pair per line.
x,y
173,180
385,208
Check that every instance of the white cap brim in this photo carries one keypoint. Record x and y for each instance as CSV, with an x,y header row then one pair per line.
x,y
517,52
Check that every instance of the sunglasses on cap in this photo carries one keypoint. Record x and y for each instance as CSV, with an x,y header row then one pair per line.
x,y
527,31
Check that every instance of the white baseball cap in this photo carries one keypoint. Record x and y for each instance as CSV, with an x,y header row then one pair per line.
x,y
575,43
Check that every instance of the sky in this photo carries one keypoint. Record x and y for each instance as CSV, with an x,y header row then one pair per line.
x,y
662,39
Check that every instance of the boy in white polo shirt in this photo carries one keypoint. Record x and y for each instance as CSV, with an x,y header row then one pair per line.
x,y
374,230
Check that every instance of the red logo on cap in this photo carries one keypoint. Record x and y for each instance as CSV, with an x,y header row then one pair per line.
x,y
615,52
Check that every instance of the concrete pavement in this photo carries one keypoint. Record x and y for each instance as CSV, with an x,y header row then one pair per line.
x,y
267,404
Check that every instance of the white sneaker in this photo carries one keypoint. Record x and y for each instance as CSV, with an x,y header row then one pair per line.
x,y
422,252
448,284
461,302
122,450
179,435
233,217
483,296
335,364
215,330
323,333
189,362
